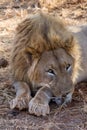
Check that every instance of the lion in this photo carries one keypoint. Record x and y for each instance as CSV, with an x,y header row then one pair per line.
x,y
45,63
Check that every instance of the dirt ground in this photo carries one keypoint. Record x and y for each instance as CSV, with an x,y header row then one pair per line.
x,y
74,116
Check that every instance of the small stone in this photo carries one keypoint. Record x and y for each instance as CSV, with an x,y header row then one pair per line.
x,y
3,63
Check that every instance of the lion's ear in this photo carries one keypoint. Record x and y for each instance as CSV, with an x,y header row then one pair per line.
x,y
30,55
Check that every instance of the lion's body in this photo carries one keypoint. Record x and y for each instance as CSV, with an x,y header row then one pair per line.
x,y
80,33
46,56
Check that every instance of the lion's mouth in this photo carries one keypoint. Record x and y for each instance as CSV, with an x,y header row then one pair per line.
x,y
64,99
57,100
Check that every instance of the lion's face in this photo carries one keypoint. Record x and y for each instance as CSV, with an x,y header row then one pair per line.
x,y
55,68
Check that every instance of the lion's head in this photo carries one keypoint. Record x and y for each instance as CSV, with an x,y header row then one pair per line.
x,y
45,52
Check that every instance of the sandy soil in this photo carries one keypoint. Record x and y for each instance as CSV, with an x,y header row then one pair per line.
x,y
74,116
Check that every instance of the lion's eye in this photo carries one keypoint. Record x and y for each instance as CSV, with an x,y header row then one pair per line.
x,y
50,72
68,68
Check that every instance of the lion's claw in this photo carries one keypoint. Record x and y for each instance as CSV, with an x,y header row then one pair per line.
x,y
38,108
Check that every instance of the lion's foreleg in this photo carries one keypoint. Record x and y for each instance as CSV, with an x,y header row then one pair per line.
x,y
23,96
39,105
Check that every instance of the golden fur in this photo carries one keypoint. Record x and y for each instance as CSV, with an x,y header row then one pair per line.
x,y
37,34
45,56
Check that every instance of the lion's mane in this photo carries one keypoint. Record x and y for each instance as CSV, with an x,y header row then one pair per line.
x,y
38,33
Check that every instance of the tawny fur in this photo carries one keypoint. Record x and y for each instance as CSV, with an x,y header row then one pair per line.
x,y
36,34
45,58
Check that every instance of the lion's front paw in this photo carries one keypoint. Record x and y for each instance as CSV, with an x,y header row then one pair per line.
x,y
37,108
19,102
